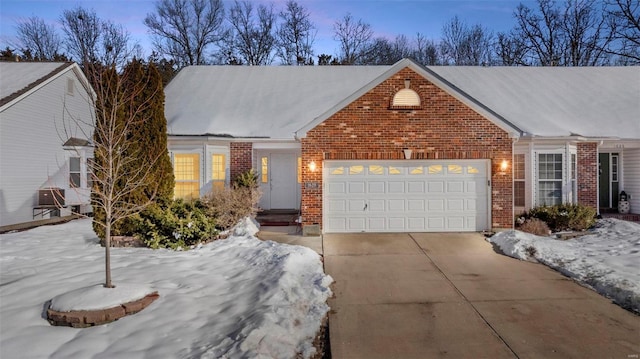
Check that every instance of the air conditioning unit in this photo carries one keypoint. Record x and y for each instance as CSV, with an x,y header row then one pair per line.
x,y
51,197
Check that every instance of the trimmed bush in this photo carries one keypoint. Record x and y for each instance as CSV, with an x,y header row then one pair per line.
x,y
229,205
535,226
564,217
180,225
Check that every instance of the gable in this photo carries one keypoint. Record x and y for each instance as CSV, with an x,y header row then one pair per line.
x,y
428,75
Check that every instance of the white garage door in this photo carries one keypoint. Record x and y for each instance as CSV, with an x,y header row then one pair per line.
x,y
406,196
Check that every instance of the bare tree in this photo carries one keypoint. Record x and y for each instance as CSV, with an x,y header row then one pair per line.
x,y
542,33
92,40
425,51
354,38
185,29
385,52
40,38
465,45
624,16
252,38
587,34
295,35
510,49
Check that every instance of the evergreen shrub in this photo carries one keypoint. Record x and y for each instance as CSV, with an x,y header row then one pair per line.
x,y
564,216
179,225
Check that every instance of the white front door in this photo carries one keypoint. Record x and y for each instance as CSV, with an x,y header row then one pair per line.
x,y
283,183
406,196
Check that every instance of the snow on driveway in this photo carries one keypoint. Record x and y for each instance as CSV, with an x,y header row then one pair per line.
x,y
235,298
607,260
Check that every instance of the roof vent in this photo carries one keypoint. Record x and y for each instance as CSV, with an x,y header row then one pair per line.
x,y
406,97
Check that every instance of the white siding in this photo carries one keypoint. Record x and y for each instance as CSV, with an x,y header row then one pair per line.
x,y
631,173
32,132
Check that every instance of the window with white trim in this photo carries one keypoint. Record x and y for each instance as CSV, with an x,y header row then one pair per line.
x,y
218,170
549,179
75,177
518,180
186,170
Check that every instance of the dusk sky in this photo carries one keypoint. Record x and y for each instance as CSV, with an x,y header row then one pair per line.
x,y
388,18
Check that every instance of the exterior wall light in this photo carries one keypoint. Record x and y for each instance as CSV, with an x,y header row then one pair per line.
x,y
312,166
504,166
407,153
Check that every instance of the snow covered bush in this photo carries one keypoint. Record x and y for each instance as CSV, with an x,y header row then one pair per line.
x,y
563,217
180,225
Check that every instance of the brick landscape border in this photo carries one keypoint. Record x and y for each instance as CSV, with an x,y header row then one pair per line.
x,y
90,318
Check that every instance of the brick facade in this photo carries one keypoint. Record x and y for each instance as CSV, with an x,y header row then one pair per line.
x,y
240,153
441,128
588,174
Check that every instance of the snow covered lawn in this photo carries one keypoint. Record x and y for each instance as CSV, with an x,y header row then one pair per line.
x,y
607,260
238,297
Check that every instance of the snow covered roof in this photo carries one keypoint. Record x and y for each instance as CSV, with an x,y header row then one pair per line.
x,y
276,102
19,77
260,101
556,101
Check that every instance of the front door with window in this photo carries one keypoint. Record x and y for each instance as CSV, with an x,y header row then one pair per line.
x,y
279,180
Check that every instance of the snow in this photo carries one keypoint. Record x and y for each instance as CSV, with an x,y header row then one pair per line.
x,y
234,298
607,259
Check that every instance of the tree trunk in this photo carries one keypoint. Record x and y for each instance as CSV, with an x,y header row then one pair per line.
x,y
107,254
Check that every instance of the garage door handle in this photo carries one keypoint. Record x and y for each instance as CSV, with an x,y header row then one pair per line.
x,y
365,207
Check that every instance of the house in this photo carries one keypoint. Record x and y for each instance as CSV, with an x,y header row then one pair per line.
x,y
409,148
45,117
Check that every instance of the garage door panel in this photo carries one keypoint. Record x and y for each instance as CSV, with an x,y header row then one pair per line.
x,y
397,196
415,205
376,205
376,187
396,187
356,187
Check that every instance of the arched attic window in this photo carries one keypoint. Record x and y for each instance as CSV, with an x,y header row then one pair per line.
x,y
406,98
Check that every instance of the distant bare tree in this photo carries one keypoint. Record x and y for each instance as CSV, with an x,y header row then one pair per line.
x,y
541,32
385,52
425,51
465,45
252,39
624,15
41,39
587,34
185,29
510,49
92,40
354,38
295,35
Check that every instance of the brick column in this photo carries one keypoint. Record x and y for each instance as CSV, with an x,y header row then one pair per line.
x,y
588,174
240,153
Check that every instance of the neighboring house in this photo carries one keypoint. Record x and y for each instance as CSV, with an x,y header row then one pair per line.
x,y
405,147
45,117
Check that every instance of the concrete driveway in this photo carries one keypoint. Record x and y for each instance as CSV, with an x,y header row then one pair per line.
x,y
450,295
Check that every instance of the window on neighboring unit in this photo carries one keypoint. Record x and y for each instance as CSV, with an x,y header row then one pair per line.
x,y
614,168
549,179
70,86
186,169
218,170
74,172
574,178
264,169
518,180
89,173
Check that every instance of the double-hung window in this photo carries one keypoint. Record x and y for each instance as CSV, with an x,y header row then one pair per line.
x,y
550,171
518,180
218,170
186,169
74,172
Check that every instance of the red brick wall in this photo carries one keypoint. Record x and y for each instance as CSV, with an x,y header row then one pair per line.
x,y
588,174
443,128
240,153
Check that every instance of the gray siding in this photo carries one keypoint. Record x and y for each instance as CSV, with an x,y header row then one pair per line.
x,y
32,132
631,168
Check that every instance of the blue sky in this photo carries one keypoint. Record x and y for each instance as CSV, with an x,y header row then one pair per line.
x,y
388,18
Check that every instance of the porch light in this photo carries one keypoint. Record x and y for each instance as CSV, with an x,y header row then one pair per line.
x,y
312,166
407,153
504,166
